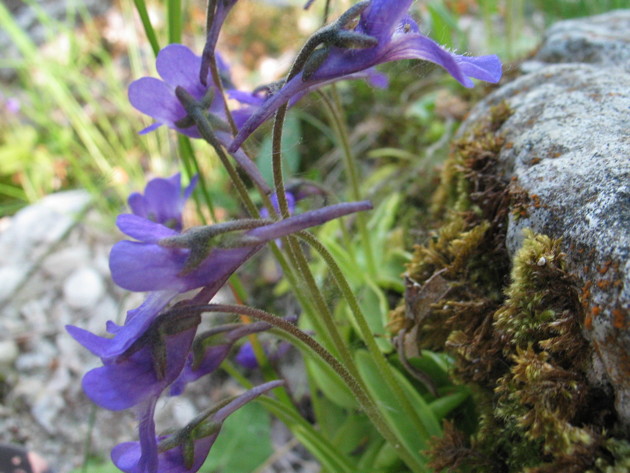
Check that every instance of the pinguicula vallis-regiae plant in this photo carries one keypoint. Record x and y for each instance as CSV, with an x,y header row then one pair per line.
x,y
158,350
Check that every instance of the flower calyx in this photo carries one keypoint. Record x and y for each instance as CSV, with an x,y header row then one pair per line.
x,y
196,109
338,34
200,241
165,325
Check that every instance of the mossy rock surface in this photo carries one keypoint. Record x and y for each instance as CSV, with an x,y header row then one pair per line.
x,y
533,238
566,153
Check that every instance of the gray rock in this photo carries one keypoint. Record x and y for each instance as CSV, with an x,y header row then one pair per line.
x,y
41,224
37,360
601,39
61,263
569,146
12,277
46,410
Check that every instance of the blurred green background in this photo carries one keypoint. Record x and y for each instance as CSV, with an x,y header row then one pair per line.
x,y
65,121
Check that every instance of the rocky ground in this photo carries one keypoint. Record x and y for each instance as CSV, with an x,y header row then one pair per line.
x,y
55,272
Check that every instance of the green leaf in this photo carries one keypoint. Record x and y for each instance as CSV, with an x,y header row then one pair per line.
x,y
331,386
356,433
389,407
318,445
445,404
247,430
443,24
374,306
434,365
141,8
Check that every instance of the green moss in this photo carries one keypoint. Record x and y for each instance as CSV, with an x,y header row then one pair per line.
x,y
518,347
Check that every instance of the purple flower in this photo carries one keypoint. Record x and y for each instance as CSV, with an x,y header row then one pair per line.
x,y
163,201
397,37
178,66
186,451
137,377
210,349
147,367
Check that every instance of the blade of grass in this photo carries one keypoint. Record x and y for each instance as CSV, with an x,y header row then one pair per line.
x,y
174,15
141,8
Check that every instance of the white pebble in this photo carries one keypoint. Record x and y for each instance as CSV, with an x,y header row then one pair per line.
x,y
83,288
8,353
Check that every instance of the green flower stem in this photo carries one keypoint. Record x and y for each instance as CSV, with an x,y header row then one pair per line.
x,y
333,108
295,252
323,310
364,328
276,160
363,398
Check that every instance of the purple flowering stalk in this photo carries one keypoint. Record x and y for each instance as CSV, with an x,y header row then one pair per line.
x,y
384,33
154,350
